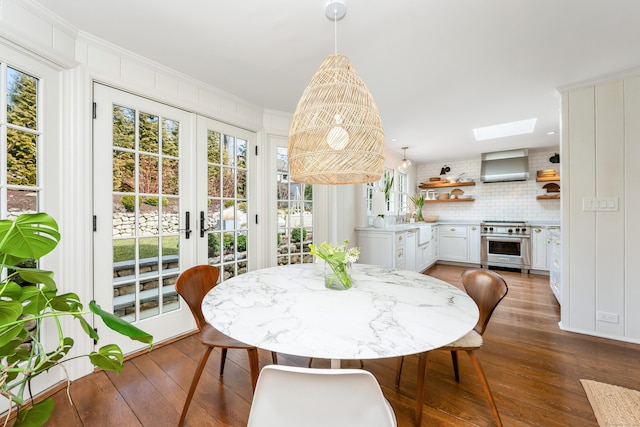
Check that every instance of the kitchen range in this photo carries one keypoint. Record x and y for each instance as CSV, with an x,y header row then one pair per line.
x,y
505,244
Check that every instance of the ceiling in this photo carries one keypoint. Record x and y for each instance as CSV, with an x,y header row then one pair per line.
x,y
437,69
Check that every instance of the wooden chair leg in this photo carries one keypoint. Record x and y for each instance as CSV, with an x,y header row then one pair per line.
x,y
223,359
454,360
399,370
422,371
194,383
310,362
485,385
254,368
274,357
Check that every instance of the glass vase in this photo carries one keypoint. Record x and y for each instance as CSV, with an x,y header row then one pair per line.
x,y
336,276
420,217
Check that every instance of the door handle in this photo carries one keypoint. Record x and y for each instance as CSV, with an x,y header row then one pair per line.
x,y
187,225
203,228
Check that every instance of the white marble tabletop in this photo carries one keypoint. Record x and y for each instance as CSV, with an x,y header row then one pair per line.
x,y
386,313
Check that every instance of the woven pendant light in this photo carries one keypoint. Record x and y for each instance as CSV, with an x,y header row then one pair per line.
x,y
336,134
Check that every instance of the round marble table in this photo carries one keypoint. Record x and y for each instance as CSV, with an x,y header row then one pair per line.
x,y
386,313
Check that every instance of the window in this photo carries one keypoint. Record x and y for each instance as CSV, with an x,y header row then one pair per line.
x,y
403,192
295,215
20,144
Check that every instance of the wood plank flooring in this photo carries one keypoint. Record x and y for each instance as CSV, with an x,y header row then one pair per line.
x,y
533,368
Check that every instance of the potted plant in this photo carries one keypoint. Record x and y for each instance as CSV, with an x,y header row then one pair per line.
x,y
28,298
418,202
388,187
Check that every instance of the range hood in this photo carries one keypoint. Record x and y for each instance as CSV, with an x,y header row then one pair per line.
x,y
501,166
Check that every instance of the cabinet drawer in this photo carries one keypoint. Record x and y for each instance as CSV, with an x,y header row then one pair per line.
x,y
453,230
400,238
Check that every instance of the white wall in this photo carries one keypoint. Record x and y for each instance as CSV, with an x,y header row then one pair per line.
x,y
601,137
497,200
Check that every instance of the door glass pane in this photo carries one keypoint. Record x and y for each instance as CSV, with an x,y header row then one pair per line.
x,y
227,226
146,208
294,215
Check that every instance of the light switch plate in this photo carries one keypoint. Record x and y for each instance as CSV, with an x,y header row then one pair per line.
x,y
601,204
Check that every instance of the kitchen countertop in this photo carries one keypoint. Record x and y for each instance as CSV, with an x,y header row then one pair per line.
x,y
392,228
413,226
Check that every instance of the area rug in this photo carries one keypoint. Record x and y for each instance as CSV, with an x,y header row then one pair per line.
x,y
613,405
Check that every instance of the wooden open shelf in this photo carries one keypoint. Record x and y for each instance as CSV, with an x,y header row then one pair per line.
x,y
548,178
449,200
441,184
552,197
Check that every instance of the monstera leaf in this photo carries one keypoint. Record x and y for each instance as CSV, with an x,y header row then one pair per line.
x,y
30,236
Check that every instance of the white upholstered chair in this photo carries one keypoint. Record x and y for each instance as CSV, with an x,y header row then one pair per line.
x,y
288,396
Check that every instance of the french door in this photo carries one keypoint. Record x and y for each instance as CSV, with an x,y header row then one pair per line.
x,y
170,191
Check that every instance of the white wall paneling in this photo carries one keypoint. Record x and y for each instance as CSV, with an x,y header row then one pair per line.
x,y
632,207
579,231
601,139
609,161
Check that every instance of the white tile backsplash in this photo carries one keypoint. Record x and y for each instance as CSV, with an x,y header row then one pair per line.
x,y
497,200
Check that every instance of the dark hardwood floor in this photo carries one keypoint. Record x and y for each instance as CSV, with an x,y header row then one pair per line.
x,y
533,368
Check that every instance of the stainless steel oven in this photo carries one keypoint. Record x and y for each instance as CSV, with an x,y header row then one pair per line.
x,y
505,244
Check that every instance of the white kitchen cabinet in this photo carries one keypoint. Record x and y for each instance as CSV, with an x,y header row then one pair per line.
x,y
454,244
410,250
427,253
382,248
433,247
474,244
539,243
555,248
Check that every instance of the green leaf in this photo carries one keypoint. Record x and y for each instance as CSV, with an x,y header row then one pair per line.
x,y
121,326
66,302
88,329
9,349
9,311
108,357
33,275
36,415
11,290
36,299
29,236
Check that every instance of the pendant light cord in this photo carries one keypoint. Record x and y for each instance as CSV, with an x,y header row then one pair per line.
x,y
335,31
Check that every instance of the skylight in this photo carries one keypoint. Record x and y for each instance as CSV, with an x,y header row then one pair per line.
x,y
505,129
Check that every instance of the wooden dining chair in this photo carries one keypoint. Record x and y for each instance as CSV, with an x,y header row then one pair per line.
x,y
290,396
487,289
192,285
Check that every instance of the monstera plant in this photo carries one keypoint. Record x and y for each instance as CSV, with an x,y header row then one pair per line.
x,y
28,299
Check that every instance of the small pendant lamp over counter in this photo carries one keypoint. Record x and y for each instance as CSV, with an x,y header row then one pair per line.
x,y
336,134
406,163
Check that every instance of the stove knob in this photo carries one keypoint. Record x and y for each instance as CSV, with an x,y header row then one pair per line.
x,y
510,231
490,228
486,228
517,230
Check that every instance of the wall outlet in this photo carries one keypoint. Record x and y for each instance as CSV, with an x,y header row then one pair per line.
x,y
603,316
